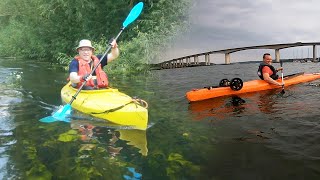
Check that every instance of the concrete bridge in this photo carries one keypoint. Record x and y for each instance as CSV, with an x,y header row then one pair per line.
x,y
193,60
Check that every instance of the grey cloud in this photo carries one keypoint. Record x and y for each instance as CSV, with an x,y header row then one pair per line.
x,y
220,24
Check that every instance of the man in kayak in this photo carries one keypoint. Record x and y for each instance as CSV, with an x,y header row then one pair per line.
x,y
82,65
267,72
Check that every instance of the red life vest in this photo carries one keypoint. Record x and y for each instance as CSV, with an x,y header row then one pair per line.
x,y
84,68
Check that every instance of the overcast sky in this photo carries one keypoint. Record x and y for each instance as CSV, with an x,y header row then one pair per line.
x,y
222,24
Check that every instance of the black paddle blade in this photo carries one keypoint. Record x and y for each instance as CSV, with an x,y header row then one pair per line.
x,y
282,91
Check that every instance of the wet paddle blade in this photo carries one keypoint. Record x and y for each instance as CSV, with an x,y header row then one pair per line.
x,y
48,119
282,91
61,115
133,15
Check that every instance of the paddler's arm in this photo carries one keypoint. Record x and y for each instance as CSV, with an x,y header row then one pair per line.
x,y
267,78
114,51
74,78
73,70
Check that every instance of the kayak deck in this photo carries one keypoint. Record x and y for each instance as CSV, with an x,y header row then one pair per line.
x,y
108,104
249,86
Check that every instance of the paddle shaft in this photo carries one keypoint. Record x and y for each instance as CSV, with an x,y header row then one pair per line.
x,y
282,77
95,67
133,15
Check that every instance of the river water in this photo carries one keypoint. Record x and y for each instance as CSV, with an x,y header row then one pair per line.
x,y
268,136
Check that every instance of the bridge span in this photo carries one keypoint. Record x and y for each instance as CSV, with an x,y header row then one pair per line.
x,y
186,61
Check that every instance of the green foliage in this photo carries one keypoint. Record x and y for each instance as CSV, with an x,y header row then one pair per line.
x,y
71,135
51,29
161,21
178,167
37,170
175,165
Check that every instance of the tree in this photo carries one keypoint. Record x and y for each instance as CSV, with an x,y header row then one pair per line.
x,y
45,29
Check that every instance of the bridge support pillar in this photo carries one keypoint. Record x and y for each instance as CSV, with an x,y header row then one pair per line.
x,y
314,53
188,61
277,52
207,59
227,58
196,60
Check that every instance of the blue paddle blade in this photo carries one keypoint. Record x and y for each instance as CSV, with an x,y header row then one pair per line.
x,y
135,174
48,119
61,115
133,15
126,177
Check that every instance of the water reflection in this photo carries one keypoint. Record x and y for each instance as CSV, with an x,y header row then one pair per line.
x,y
265,102
110,135
219,108
280,131
33,150
9,98
133,175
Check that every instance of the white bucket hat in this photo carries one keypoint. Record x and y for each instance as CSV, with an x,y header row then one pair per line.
x,y
85,43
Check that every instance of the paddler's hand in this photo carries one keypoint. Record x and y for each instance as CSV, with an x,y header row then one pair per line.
x,y
281,84
280,69
113,43
86,77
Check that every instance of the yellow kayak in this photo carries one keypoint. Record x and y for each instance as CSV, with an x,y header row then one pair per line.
x,y
109,104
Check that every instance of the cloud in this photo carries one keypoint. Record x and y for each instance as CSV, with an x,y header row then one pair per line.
x,y
221,24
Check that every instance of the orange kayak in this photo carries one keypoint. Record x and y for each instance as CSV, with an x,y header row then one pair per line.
x,y
249,86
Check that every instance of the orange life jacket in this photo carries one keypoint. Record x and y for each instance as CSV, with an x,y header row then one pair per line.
x,y
84,68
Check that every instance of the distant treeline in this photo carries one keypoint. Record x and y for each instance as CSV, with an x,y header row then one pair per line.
x,y
50,29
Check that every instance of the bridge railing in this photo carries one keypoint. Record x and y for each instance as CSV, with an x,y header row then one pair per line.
x,y
193,60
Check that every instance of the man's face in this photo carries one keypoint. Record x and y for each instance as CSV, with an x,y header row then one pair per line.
x,y
85,53
267,59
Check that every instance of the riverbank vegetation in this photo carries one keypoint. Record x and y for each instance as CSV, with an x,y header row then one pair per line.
x,y
50,30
